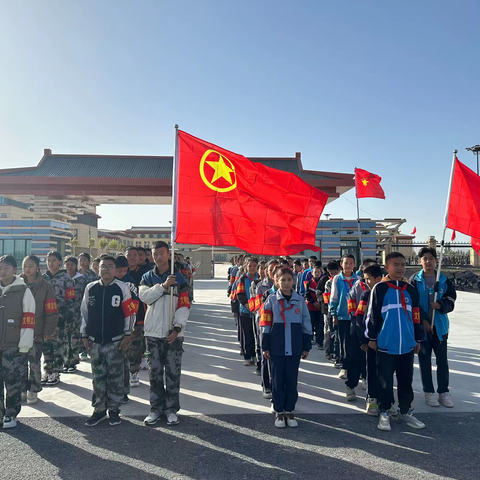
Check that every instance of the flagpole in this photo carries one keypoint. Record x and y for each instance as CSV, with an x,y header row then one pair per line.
x,y
358,221
445,222
174,221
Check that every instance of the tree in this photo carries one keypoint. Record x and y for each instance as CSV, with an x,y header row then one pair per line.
x,y
113,244
90,244
122,247
102,243
74,243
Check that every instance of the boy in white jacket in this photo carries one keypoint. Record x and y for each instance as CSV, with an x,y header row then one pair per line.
x,y
164,336
17,324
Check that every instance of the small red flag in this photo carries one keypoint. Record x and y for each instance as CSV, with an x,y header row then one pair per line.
x,y
476,244
224,199
368,184
414,231
454,236
464,205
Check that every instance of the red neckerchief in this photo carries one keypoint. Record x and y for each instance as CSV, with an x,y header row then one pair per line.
x,y
402,295
364,287
284,310
350,282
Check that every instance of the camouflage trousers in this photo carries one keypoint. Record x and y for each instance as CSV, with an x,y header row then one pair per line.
x,y
108,367
126,373
165,368
74,342
55,351
136,349
12,369
33,373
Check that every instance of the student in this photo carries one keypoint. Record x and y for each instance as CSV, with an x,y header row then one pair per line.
x,y
72,328
95,266
436,340
314,306
46,321
395,332
332,351
136,349
17,323
164,336
307,273
286,337
121,274
246,318
372,275
262,270
148,253
55,349
305,264
341,286
84,264
297,275
106,327
143,263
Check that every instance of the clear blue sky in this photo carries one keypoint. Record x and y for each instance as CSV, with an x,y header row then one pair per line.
x,y
391,87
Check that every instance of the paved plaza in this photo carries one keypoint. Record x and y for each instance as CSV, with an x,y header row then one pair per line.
x,y
226,430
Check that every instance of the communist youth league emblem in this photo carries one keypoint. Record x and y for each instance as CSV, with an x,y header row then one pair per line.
x,y
218,172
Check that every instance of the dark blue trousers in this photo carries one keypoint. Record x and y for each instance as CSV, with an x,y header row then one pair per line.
x,y
284,371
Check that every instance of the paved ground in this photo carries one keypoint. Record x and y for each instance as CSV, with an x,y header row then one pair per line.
x,y
226,431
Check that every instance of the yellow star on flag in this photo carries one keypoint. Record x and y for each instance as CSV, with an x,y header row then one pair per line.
x,y
365,182
222,170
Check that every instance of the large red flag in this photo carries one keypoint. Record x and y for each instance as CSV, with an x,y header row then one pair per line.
x,y
368,184
464,205
224,199
475,244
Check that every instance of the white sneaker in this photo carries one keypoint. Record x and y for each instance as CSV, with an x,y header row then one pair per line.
x,y
280,420
350,394
446,400
172,419
343,374
392,412
53,379
372,407
144,364
9,422
152,418
272,408
384,422
290,419
431,400
32,397
134,380
364,385
24,397
44,379
410,420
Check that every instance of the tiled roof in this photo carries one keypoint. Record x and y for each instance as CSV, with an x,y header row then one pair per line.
x,y
132,167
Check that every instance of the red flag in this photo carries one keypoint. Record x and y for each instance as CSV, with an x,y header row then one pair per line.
x,y
224,199
414,231
464,205
476,244
368,184
454,236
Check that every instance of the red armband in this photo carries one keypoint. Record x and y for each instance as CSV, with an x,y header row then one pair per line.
x,y
51,306
70,293
416,315
28,320
266,319
128,308
183,300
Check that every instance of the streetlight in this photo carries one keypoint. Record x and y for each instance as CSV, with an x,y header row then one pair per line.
x,y
475,150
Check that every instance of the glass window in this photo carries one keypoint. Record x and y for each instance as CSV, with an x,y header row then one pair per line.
x,y
28,250
138,244
8,247
1,246
19,250
147,244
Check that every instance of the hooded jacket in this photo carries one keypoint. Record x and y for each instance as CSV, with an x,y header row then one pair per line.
x,y
339,296
17,316
46,312
64,294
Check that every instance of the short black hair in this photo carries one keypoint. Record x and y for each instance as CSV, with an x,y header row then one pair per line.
x,y
424,250
304,260
273,261
318,264
72,259
253,259
262,262
368,261
109,258
333,265
148,250
312,257
160,244
86,255
347,255
141,249
131,248
103,255
96,259
284,262
55,254
373,270
121,261
33,258
282,271
393,255
298,263
8,259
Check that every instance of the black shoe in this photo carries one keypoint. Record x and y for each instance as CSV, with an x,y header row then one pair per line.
x,y
114,418
96,418
65,369
125,399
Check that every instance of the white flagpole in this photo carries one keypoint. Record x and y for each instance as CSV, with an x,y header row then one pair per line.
x,y
174,221
358,221
445,222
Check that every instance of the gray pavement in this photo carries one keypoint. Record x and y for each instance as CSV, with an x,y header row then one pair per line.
x,y
226,431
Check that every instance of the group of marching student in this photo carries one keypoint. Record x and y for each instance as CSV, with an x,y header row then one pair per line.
x,y
69,313
370,323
